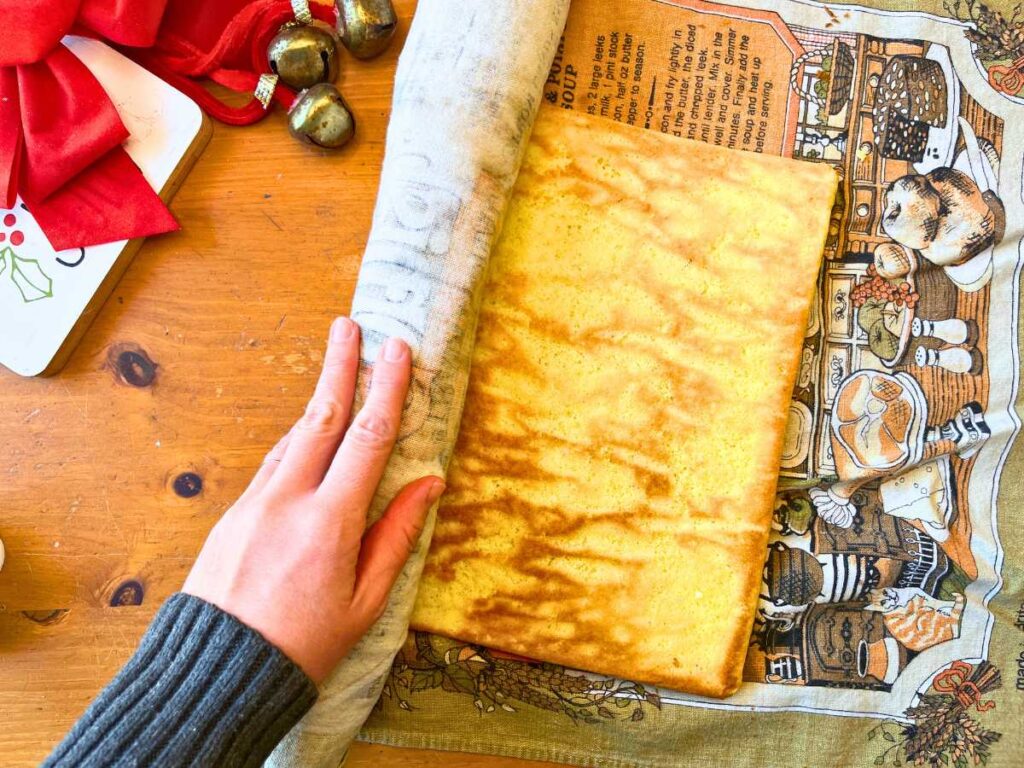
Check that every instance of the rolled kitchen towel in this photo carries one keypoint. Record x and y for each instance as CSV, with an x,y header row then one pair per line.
x,y
468,85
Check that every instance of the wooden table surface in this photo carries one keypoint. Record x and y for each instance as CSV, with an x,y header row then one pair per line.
x,y
113,471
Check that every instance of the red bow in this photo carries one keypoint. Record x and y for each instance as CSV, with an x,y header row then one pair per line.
x,y
967,685
60,135
1010,79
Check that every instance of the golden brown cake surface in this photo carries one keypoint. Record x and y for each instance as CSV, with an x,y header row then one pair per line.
x,y
611,490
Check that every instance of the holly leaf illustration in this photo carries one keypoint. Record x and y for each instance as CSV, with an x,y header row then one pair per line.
x,y
28,277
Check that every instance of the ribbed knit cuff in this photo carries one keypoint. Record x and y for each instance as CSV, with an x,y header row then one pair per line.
x,y
202,689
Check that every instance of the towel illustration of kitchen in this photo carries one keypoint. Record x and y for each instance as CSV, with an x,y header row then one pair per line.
x,y
870,563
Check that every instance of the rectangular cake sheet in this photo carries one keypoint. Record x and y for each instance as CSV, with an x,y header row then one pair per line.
x,y
612,485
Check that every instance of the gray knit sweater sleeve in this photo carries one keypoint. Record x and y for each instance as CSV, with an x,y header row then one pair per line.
x,y
202,689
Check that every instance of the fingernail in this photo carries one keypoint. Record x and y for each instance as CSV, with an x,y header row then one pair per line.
x,y
342,328
394,350
436,489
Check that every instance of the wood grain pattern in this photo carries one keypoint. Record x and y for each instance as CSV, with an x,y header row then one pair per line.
x,y
232,312
124,258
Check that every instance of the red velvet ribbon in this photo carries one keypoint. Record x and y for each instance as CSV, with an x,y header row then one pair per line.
x,y
60,135
225,42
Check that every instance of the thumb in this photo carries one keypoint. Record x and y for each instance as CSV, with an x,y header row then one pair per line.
x,y
388,543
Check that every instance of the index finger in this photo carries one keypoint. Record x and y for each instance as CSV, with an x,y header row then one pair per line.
x,y
352,478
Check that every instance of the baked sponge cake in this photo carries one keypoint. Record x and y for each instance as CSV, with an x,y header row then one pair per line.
x,y
611,489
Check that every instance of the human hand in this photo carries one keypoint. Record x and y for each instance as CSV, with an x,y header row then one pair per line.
x,y
293,558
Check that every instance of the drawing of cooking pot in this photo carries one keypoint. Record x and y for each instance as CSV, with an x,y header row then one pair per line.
x,y
882,659
791,576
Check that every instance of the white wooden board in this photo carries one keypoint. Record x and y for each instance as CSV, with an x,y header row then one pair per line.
x,y
43,293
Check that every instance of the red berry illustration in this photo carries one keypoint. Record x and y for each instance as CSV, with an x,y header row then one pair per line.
x,y
20,270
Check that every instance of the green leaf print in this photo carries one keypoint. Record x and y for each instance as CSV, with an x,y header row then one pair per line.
x,y
28,277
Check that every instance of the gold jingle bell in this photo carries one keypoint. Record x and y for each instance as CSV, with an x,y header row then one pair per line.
x,y
321,117
366,26
304,55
